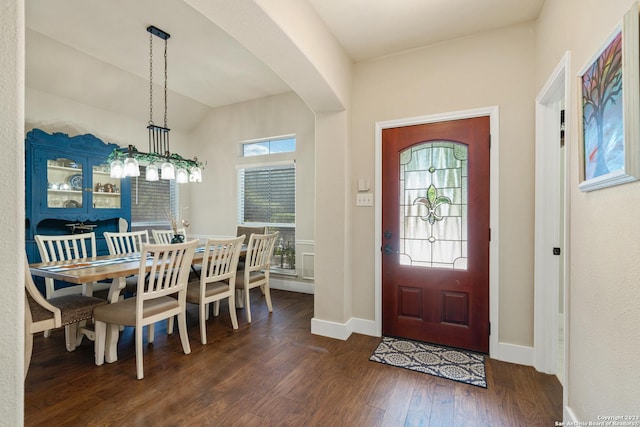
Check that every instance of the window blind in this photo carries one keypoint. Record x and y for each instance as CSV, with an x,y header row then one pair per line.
x,y
152,202
268,195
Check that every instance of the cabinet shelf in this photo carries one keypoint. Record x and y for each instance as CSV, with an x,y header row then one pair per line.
x,y
64,169
64,191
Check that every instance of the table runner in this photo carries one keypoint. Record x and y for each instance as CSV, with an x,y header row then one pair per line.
x,y
76,265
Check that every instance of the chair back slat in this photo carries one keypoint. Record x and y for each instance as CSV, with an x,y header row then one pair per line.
x,y
164,237
170,266
66,247
259,251
220,260
126,242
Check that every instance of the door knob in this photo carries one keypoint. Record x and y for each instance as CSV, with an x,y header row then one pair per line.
x,y
388,250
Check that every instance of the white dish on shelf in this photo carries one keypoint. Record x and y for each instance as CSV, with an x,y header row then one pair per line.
x,y
75,181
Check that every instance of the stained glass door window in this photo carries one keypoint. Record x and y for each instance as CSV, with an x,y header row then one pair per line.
x,y
433,205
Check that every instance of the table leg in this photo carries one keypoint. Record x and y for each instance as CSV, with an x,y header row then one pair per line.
x,y
99,344
117,285
111,344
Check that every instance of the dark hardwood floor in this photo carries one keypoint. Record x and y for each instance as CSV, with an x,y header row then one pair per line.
x,y
271,372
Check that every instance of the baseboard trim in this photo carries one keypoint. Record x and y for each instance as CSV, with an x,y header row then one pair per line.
x,y
513,353
365,327
285,284
329,329
569,417
343,331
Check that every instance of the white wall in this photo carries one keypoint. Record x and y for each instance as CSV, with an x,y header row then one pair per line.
x,y
604,320
12,211
53,113
494,68
213,205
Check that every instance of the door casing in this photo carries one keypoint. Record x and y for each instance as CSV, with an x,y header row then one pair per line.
x,y
492,112
547,279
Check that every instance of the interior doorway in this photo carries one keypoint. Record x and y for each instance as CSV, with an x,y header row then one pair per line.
x,y
551,223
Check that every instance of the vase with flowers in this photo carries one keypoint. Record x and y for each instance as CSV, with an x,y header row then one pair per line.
x,y
177,236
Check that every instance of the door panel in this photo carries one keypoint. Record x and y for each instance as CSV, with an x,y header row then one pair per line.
x,y
435,219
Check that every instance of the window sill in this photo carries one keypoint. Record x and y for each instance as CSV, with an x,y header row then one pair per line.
x,y
283,272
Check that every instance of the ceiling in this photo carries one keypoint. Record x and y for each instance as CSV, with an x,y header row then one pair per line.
x,y
398,25
206,67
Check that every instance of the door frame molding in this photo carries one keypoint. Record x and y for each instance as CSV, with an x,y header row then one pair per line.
x,y
494,204
548,227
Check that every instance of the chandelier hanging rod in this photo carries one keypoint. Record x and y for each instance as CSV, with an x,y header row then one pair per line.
x,y
125,162
158,32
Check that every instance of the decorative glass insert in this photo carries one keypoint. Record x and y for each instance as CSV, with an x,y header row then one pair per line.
x,y
433,205
64,184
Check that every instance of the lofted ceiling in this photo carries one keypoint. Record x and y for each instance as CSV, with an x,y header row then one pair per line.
x,y
96,52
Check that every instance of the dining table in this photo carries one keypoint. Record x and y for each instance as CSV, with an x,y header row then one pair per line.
x,y
86,271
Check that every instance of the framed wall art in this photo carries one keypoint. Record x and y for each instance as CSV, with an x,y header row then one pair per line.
x,y
609,109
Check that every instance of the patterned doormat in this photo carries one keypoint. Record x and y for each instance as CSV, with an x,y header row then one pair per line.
x,y
454,364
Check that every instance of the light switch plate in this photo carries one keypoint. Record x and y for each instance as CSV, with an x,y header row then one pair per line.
x,y
364,199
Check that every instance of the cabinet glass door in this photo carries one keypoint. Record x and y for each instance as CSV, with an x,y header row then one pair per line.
x,y
64,184
106,190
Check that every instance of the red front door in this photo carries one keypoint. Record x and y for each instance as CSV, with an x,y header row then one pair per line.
x,y
435,233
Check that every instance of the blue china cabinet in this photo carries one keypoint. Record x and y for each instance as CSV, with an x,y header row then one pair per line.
x,y
69,190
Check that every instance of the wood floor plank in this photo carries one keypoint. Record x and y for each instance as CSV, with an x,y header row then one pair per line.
x,y
419,412
270,372
442,408
399,402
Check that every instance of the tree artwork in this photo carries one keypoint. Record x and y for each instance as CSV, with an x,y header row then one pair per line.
x,y
602,112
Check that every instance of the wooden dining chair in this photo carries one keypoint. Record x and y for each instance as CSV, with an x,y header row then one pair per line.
x,y
256,271
160,297
42,314
126,242
165,236
70,247
65,248
217,280
123,243
248,231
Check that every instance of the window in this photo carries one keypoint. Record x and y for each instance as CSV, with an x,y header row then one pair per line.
x,y
268,198
269,146
152,203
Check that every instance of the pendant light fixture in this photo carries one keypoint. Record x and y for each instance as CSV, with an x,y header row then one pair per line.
x,y
160,162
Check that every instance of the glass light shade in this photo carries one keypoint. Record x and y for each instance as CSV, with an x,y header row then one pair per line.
x,y
131,167
168,171
117,169
195,175
182,176
152,173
